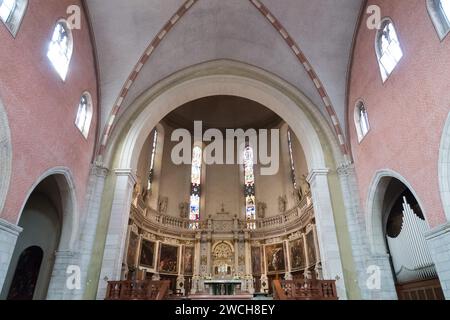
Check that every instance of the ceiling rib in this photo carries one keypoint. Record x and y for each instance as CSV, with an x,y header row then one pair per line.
x,y
278,27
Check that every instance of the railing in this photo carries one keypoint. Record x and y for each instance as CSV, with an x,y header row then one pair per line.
x,y
137,290
305,290
170,222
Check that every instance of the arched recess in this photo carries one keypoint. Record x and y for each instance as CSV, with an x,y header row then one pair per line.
x,y
375,210
223,77
444,168
48,219
397,228
5,156
70,216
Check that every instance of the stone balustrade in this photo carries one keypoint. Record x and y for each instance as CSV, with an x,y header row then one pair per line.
x,y
302,210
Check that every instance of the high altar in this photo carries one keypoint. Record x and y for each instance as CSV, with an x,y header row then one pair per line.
x,y
223,255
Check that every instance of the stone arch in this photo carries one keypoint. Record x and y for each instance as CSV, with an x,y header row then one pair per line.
x,y
227,78
444,168
375,211
49,220
5,155
222,77
70,218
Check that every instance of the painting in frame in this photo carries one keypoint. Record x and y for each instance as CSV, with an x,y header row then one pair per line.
x,y
297,254
168,259
147,255
275,258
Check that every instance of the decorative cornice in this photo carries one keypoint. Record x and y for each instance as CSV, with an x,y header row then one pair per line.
x,y
99,171
315,173
127,173
10,228
438,232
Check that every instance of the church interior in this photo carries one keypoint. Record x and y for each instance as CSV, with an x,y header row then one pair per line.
x,y
224,150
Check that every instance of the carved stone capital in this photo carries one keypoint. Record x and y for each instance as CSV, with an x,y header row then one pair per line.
x,y
99,171
345,169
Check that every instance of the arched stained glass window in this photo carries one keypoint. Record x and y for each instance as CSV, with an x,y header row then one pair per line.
x,y
440,15
60,48
361,121
152,160
388,49
196,174
249,188
291,158
84,115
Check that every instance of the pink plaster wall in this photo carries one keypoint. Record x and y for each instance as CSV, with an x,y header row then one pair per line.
x,y
41,108
407,113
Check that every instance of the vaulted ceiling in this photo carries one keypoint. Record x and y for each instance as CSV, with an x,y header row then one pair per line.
x,y
241,30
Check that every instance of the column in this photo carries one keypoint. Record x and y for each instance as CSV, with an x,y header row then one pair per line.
x,y
156,276
197,260
8,237
180,278
236,252
88,227
356,226
326,230
117,230
209,256
248,264
380,282
288,275
439,244
306,273
59,288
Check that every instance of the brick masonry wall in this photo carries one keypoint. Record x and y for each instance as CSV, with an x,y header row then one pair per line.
x,y
407,113
41,108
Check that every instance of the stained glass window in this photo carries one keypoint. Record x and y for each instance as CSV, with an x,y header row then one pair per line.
x,y
291,157
84,115
439,11
152,160
196,174
361,121
249,188
60,49
388,49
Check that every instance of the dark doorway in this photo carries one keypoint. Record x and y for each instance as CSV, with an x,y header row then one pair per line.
x,y
26,274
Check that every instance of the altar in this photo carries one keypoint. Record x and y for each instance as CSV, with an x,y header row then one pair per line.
x,y
223,287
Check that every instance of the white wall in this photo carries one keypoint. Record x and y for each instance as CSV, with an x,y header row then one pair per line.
x,y
175,179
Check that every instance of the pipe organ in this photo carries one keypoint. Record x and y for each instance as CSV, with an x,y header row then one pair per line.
x,y
410,255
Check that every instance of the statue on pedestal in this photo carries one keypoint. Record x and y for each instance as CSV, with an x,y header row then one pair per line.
x,y
282,204
184,210
163,202
261,210
305,187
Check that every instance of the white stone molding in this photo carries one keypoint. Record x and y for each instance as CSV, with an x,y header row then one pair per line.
x,y
117,230
439,243
8,237
326,230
